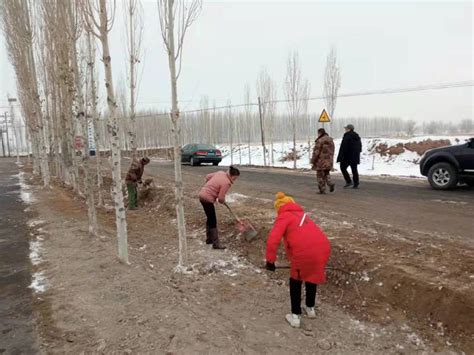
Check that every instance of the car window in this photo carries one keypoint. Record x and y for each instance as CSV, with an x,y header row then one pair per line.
x,y
186,147
205,146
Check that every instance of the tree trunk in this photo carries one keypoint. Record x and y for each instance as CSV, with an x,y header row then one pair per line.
x,y
262,131
294,144
183,249
117,193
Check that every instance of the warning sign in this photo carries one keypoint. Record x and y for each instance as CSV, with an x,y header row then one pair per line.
x,y
324,117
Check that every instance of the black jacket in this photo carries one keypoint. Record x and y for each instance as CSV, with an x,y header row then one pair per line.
x,y
351,147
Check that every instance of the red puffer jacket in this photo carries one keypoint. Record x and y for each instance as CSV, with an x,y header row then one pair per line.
x,y
307,247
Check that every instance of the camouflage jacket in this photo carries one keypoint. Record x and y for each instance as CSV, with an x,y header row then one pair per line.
x,y
135,172
323,153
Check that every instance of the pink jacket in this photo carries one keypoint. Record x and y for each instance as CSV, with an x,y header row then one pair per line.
x,y
217,185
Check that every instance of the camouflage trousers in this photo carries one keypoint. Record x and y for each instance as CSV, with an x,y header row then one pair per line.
x,y
324,178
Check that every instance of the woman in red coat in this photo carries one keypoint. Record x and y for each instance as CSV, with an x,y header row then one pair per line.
x,y
307,249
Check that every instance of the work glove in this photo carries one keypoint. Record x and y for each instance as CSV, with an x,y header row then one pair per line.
x,y
270,266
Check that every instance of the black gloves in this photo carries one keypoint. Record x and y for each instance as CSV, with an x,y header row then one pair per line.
x,y
270,266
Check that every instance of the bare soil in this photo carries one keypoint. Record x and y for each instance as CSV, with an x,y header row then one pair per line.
x,y
419,147
227,303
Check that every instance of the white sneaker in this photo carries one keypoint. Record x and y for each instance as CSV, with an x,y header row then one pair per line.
x,y
294,320
310,312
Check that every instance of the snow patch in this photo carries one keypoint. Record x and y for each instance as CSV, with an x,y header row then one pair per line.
x,y
39,283
35,222
372,163
450,202
415,340
25,191
235,197
35,251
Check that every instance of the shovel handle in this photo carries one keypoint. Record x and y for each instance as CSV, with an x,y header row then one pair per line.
x,y
232,213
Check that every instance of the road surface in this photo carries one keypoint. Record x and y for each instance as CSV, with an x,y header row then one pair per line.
x,y
410,204
16,326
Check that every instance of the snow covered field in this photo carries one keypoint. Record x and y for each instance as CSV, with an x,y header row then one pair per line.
x,y
372,163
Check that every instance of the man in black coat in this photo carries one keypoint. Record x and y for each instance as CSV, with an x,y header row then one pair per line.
x,y
349,155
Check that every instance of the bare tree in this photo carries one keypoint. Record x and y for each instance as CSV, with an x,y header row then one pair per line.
x,y
91,57
248,119
466,126
134,24
296,90
332,81
266,91
230,130
410,126
99,23
17,26
175,19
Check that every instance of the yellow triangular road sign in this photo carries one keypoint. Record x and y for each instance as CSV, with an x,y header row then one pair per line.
x,y
324,117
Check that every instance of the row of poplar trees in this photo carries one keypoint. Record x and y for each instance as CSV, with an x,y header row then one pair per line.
x,y
52,47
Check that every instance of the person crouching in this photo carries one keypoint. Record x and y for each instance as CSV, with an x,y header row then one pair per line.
x,y
307,249
215,189
134,177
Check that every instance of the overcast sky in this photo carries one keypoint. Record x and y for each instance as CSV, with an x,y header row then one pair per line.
x,y
380,44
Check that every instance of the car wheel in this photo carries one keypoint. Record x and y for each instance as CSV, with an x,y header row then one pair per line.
x,y
215,164
193,162
442,176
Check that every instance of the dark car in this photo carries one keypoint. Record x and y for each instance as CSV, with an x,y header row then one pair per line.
x,y
447,166
195,154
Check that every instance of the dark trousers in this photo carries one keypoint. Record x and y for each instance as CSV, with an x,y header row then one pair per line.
x,y
132,195
355,173
210,212
295,295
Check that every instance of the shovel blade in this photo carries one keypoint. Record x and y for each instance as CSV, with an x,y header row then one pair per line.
x,y
247,230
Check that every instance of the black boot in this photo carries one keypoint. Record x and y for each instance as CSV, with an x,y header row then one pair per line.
x,y
347,185
208,235
332,187
215,239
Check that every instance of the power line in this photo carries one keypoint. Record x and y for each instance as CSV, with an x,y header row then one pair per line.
x,y
458,84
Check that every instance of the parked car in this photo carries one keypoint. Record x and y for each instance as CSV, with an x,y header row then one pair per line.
x,y
445,167
195,154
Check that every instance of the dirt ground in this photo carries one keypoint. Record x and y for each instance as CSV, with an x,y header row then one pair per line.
x,y
227,303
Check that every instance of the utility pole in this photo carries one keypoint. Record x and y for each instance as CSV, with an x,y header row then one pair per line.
x,y
15,129
3,146
6,130
262,131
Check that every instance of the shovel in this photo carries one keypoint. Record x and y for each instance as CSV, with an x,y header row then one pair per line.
x,y
243,225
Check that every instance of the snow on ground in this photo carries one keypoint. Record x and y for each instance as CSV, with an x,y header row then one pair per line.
x,y
372,163
39,282
25,190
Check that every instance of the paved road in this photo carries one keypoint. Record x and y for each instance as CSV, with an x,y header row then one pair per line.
x,y
16,327
407,204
